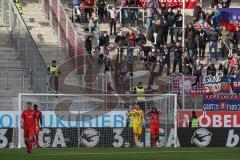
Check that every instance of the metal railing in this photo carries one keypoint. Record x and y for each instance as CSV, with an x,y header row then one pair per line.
x,y
70,40
24,45
16,79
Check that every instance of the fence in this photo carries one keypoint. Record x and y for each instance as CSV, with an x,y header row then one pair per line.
x,y
68,36
15,79
63,84
24,45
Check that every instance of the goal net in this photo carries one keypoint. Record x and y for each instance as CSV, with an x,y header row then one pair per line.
x,y
99,120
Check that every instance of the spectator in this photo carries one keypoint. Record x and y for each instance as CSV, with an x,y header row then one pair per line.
x,y
76,7
104,43
165,52
93,25
177,57
123,4
165,29
87,7
133,12
114,14
159,14
197,40
170,21
150,33
232,65
191,43
131,39
236,40
213,41
107,72
202,43
197,71
215,17
120,40
225,36
156,29
197,12
161,32
178,21
187,62
88,44
150,16
211,70
140,39
101,9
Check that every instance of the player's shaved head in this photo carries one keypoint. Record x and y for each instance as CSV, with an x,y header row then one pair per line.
x,y
35,106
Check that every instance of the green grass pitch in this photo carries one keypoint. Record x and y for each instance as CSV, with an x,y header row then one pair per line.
x,y
122,154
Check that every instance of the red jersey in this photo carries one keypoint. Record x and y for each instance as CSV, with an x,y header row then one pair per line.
x,y
154,118
29,118
38,116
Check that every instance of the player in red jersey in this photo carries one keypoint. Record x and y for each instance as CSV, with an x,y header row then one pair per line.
x,y
154,124
28,124
38,114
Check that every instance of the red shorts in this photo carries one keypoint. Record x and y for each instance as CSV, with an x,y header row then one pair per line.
x,y
154,129
29,132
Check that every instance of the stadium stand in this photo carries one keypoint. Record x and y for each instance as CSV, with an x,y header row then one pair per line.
x,y
50,46
14,76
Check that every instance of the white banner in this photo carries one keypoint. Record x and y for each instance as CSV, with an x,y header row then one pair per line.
x,y
10,119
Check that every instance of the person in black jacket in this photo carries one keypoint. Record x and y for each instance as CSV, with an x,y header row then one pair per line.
x,y
133,12
187,65
120,40
197,12
191,41
156,30
101,4
103,43
211,70
165,30
140,39
236,40
88,43
170,22
177,57
178,21
202,43
165,52
213,42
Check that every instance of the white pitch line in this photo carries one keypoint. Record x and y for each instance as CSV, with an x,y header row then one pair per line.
x,y
117,153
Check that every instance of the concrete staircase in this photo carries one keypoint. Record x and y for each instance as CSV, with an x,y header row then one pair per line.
x,y
45,38
12,79
42,33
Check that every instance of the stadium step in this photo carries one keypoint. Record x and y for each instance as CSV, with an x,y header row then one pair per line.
x,y
42,33
11,81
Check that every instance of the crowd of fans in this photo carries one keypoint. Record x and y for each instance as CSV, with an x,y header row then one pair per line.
x,y
163,29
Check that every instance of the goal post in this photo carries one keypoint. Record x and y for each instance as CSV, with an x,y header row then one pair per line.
x,y
91,120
